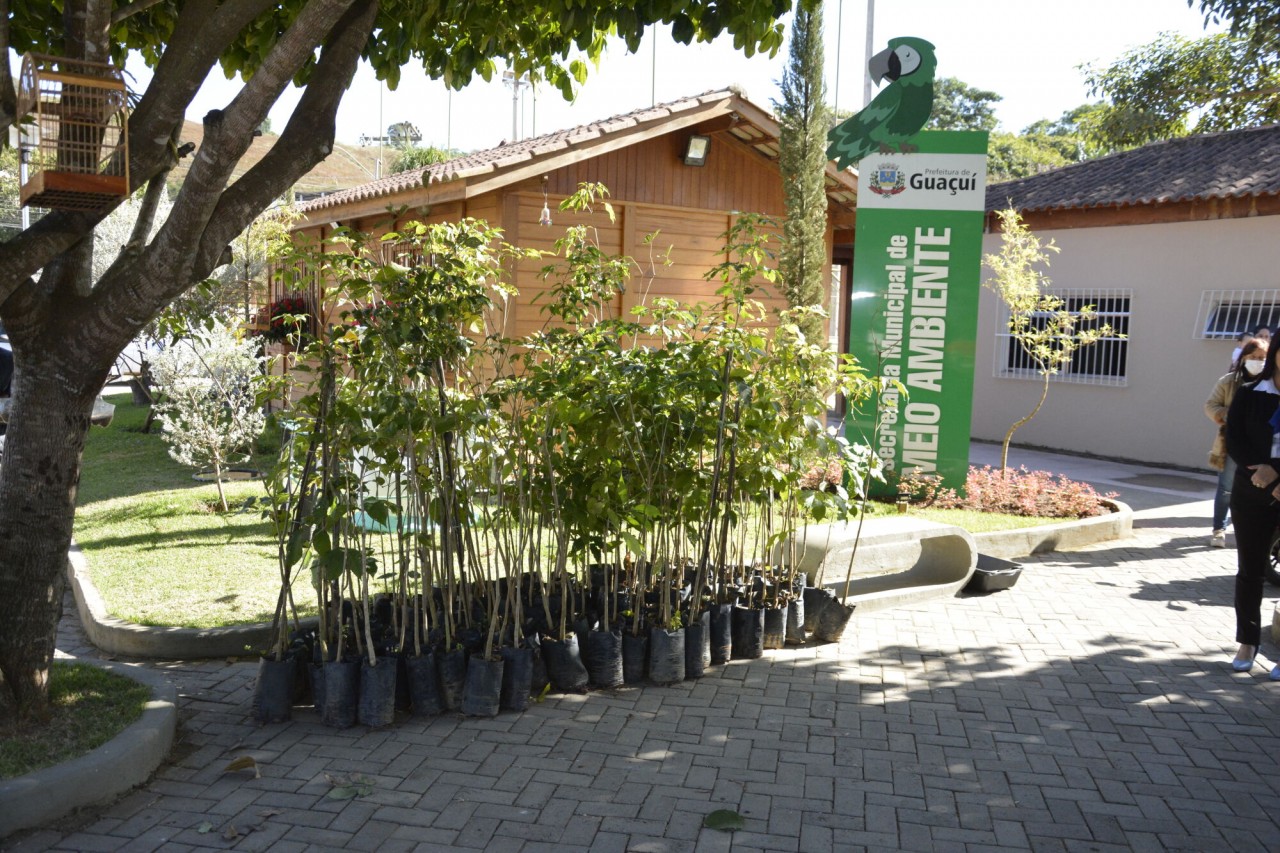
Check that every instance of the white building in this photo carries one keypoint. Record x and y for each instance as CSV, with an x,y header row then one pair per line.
x,y
1177,245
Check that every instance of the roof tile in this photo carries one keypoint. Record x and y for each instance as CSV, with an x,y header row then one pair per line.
x,y
507,154
1193,168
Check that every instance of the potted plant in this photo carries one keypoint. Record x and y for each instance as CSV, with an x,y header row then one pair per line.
x,y
286,320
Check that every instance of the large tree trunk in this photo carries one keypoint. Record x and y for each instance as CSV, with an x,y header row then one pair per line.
x,y
67,330
49,421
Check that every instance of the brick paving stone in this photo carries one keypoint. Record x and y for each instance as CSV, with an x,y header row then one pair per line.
x,y
421,835
373,835
285,845
651,844
1089,708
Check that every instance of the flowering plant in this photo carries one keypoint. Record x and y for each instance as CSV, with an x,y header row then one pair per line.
x,y
286,319
1015,492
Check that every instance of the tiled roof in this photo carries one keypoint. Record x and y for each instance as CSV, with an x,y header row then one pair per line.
x,y
1233,163
512,153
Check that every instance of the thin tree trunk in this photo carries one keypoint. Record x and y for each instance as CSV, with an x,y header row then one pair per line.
x,y
1008,436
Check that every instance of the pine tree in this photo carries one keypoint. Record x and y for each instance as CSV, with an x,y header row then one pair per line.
x,y
803,263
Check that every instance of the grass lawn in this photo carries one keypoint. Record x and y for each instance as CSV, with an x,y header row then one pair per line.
x,y
90,707
159,550
162,554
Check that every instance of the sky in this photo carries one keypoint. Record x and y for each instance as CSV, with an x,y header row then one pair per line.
x,y
1028,51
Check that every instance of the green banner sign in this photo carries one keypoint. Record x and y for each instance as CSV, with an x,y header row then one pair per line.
x,y
914,312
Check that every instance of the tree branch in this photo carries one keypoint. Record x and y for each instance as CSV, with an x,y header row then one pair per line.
x,y
306,140
228,134
137,287
86,24
147,210
24,255
130,9
203,32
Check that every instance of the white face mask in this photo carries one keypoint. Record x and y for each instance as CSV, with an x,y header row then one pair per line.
x,y
1254,366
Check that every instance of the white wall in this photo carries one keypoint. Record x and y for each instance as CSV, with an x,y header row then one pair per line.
x,y
1159,416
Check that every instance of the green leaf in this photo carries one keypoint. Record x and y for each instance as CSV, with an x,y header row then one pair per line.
x,y
297,544
340,559
725,820
347,788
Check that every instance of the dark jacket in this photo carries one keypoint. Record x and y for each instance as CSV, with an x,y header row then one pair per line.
x,y
1249,431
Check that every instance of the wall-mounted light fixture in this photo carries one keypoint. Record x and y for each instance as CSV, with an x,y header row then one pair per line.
x,y
545,218
695,151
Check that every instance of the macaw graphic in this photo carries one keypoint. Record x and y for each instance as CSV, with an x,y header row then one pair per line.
x,y
898,112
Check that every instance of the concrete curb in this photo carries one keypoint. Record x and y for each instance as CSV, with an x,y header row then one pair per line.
x,y
899,560
887,546
1061,536
126,760
117,637
902,559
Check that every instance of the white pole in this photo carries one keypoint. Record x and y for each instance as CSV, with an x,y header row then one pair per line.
x,y
871,43
653,69
835,95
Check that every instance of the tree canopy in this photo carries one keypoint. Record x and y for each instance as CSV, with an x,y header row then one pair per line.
x,y
1175,86
1043,144
1257,21
959,106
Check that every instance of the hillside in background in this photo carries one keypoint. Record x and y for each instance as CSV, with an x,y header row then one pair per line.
x,y
347,166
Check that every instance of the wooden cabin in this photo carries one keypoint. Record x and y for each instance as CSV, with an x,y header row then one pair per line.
x,y
655,186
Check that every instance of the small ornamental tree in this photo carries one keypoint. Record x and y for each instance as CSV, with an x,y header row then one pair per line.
x,y
803,265
1039,322
208,412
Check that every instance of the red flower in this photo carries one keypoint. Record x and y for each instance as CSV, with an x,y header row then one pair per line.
x,y
284,320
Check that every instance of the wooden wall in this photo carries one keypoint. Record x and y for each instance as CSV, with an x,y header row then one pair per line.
x,y
653,172
688,209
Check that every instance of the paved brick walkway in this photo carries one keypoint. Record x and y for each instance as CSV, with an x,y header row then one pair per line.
x,y
1090,708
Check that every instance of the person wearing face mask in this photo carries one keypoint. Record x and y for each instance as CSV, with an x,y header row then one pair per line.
x,y
1253,442
1253,354
1261,331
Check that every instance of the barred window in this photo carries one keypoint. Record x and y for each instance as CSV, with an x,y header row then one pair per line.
x,y
1105,362
1226,313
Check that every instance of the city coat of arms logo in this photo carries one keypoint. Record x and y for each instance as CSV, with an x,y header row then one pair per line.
x,y
887,180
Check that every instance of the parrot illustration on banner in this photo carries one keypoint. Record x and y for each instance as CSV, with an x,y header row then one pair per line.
x,y
898,112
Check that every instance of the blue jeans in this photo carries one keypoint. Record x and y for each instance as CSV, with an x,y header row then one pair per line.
x,y
1222,498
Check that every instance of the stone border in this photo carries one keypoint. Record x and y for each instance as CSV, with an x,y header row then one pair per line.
x,y
126,760
118,637
898,560
902,559
1060,536
127,639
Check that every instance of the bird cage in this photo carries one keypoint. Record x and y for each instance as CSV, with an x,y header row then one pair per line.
x,y
72,136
